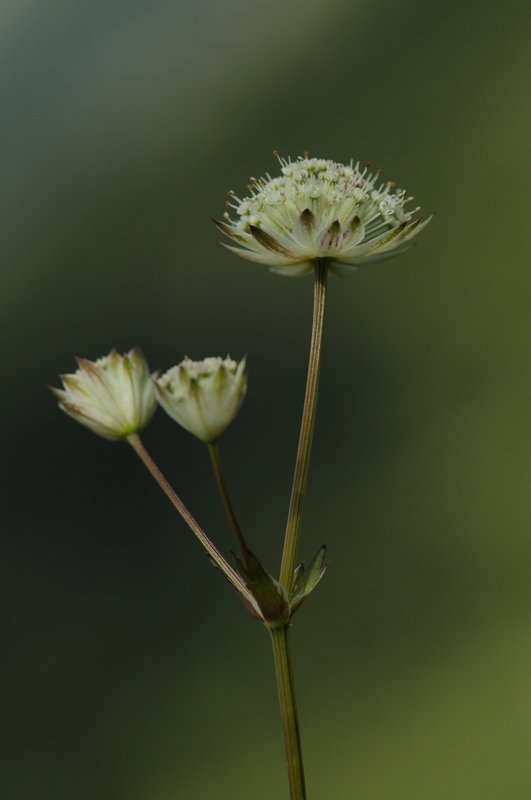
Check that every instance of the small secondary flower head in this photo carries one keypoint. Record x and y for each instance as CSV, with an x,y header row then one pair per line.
x,y
113,396
318,209
203,396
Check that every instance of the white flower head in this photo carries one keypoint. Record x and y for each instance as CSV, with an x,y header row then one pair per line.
x,y
203,396
318,209
113,396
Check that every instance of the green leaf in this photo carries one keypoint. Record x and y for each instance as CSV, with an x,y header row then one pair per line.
x,y
265,589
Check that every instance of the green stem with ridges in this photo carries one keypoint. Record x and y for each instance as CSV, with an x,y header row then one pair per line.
x,y
302,463
213,450
288,712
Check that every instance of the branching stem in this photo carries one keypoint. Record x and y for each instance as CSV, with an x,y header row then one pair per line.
x,y
231,574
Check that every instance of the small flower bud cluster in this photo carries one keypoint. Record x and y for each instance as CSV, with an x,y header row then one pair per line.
x,y
116,396
203,396
113,396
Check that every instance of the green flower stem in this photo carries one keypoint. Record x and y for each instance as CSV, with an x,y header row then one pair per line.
x,y
231,575
302,462
213,450
288,712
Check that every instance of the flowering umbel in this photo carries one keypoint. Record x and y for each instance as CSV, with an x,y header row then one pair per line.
x,y
318,209
203,396
113,396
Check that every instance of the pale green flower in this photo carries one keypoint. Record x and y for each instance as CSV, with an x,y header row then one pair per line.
x,y
203,396
113,396
317,209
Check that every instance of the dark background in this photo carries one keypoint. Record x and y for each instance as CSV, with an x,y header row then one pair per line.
x,y
130,669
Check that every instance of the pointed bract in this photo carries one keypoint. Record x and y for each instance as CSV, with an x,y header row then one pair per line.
x,y
267,591
307,579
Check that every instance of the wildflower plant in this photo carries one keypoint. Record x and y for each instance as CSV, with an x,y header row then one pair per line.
x,y
317,217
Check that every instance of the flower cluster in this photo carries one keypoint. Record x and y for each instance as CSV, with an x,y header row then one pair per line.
x,y
319,209
203,396
113,396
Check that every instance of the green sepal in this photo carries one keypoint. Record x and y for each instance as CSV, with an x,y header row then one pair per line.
x,y
267,592
305,580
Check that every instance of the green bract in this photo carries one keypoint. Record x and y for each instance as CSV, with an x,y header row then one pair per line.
x,y
113,396
203,396
318,209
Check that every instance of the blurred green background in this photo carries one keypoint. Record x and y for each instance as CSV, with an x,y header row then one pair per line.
x,y
130,669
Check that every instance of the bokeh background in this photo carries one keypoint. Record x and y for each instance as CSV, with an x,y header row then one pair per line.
x,y
130,669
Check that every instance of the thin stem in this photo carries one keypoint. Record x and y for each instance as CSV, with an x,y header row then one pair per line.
x,y
233,577
213,450
288,712
302,462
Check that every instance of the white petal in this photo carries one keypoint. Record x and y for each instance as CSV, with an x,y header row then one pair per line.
x,y
303,233
271,259
294,270
379,256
